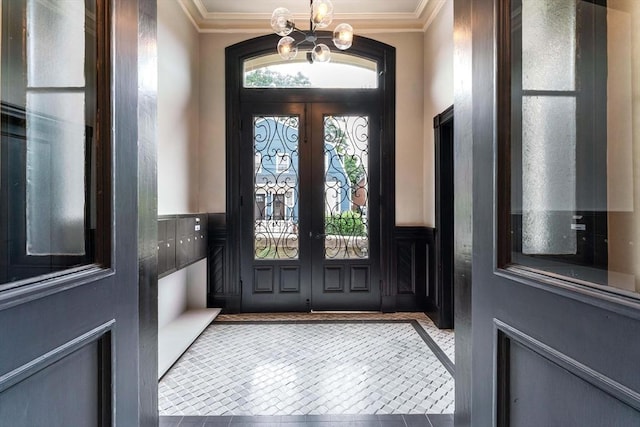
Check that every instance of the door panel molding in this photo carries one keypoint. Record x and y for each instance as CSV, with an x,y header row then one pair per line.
x,y
524,368
42,362
71,278
505,335
629,307
102,376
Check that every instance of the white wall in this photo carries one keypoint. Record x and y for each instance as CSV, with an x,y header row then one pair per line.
x,y
172,297
178,141
212,118
409,127
197,288
178,110
438,94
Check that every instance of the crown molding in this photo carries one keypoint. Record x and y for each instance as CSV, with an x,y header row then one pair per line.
x,y
254,23
439,4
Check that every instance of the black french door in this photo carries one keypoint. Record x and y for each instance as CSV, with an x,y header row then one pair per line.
x,y
310,225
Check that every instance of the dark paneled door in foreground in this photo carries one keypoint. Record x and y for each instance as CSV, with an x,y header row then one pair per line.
x,y
309,235
556,294
68,236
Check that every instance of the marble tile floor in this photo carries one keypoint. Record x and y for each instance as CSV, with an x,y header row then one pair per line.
x,y
305,368
430,420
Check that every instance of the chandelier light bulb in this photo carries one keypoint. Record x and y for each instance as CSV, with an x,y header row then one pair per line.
x,y
321,53
287,48
343,36
282,21
322,13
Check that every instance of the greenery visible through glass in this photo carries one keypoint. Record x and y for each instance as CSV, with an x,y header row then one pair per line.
x,y
346,150
344,71
276,187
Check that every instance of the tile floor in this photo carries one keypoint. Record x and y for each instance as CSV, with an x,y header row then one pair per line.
x,y
313,369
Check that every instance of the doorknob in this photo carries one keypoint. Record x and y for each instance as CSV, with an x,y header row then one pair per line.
x,y
320,236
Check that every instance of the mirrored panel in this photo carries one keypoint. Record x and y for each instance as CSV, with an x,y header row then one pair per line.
x,y
575,141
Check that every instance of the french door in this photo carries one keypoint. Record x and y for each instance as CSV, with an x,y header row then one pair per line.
x,y
310,221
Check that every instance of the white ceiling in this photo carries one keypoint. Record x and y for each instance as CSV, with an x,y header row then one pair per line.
x,y
364,15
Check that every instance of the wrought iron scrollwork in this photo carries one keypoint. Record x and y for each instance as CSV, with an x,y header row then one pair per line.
x,y
346,196
276,187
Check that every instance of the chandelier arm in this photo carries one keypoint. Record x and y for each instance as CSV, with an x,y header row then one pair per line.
x,y
345,35
303,41
297,30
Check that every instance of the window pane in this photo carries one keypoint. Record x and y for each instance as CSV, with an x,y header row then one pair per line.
x,y
548,44
55,174
47,143
575,141
346,187
548,174
55,42
276,189
344,71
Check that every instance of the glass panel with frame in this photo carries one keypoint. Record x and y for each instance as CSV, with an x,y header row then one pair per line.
x,y
276,187
575,141
346,187
48,91
345,71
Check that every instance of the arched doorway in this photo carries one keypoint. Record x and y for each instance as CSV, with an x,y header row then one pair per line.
x,y
310,182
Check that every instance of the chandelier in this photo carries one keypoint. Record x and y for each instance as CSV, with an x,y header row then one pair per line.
x,y
321,15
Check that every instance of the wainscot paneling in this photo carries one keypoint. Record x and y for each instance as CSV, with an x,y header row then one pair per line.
x,y
414,268
221,292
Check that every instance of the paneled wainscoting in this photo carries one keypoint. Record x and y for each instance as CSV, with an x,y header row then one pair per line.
x,y
414,286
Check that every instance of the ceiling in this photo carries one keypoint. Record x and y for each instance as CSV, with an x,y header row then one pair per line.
x,y
364,15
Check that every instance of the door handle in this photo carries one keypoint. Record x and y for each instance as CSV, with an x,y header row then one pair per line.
x,y
320,236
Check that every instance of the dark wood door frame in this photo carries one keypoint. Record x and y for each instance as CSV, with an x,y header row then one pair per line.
x,y
442,301
236,95
91,332
528,328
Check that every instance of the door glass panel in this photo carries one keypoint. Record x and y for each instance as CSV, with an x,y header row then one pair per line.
x,y
48,146
575,139
55,148
548,44
346,187
276,187
548,174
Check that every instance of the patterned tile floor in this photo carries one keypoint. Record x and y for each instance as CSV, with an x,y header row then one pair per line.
x,y
313,364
